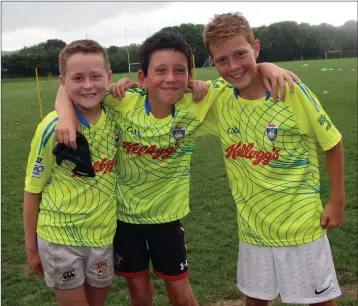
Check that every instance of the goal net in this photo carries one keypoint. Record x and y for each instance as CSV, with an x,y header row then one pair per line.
x,y
134,67
341,54
208,63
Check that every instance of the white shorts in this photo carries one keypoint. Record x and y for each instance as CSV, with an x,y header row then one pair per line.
x,y
302,274
68,267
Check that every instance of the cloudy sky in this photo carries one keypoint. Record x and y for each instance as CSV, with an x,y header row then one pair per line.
x,y
29,23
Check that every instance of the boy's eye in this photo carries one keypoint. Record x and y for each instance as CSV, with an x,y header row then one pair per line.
x,y
96,76
77,77
160,70
180,70
240,54
221,60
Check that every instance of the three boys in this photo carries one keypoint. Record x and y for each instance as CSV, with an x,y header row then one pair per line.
x,y
156,130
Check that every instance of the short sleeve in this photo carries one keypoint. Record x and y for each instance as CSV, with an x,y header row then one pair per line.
x,y
312,118
41,159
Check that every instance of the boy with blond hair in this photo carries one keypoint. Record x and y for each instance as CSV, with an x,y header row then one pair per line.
x,y
271,160
70,218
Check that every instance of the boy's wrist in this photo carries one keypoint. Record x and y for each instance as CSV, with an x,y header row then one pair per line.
x,y
337,200
31,244
31,247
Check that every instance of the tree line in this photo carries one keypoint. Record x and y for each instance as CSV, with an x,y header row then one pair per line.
x,y
281,41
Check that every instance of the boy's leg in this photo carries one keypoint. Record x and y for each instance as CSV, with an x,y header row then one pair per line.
x,y
180,292
96,296
64,272
71,297
131,260
255,302
141,290
99,272
168,254
256,277
306,273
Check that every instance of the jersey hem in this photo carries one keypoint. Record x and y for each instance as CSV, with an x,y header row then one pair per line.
x,y
332,143
88,244
130,220
35,190
283,243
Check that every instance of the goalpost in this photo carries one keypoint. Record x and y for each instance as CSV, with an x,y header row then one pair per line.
x,y
133,67
208,63
341,54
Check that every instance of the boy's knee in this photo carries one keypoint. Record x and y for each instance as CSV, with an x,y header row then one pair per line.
x,y
145,299
187,299
141,291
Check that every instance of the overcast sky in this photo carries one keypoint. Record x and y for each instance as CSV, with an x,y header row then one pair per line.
x,y
29,23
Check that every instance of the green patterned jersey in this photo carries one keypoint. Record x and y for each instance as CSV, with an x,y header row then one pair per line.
x,y
75,210
271,161
153,165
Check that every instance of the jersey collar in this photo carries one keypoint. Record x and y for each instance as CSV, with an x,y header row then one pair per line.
x,y
82,119
148,110
236,94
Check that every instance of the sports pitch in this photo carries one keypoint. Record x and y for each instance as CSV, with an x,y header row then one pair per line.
x,y
211,227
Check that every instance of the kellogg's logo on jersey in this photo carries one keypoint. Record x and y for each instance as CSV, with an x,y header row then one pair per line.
x,y
271,131
156,153
105,165
178,132
248,151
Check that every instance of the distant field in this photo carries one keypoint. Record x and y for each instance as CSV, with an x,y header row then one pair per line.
x,y
211,227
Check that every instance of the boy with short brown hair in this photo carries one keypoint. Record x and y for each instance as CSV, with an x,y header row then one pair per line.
x,y
70,216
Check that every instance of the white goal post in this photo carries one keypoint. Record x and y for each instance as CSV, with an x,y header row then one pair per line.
x,y
208,63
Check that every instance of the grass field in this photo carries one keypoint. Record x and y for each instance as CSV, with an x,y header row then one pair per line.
x,y
211,227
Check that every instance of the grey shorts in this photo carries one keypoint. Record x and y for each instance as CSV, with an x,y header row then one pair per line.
x,y
68,267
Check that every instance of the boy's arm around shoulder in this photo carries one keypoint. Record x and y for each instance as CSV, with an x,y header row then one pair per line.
x,y
68,124
219,90
127,101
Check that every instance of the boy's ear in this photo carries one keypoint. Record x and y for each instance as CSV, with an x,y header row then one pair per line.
x,y
142,79
63,83
109,77
190,75
256,48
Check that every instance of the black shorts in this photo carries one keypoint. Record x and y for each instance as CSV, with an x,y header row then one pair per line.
x,y
162,244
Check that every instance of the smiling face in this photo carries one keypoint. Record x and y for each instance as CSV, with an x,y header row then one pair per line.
x,y
235,60
167,76
86,79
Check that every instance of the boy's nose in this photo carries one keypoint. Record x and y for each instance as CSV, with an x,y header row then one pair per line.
x,y
88,83
170,77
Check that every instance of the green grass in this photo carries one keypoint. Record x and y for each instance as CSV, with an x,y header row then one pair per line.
x,y
211,227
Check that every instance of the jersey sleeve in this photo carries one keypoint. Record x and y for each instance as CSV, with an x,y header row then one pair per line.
x,y
218,90
41,159
312,118
121,105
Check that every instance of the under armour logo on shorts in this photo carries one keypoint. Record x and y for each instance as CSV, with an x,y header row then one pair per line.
x,y
183,265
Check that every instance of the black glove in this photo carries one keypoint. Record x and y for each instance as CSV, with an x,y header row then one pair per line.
x,y
81,157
